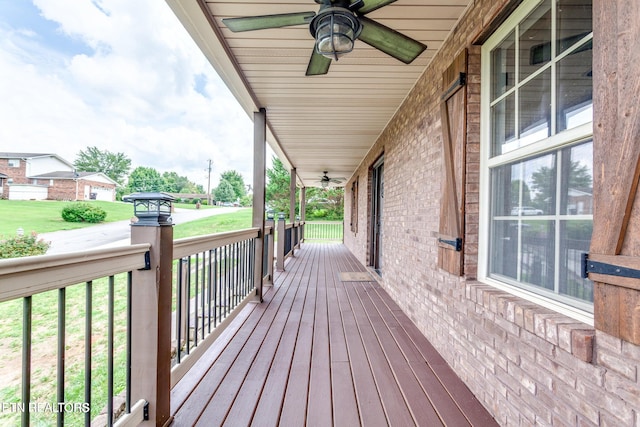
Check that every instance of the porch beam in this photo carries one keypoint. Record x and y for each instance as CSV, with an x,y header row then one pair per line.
x,y
259,170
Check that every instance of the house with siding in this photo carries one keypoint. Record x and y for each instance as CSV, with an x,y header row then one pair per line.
x,y
45,176
515,107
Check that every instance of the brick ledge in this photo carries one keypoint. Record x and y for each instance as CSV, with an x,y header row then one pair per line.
x,y
570,335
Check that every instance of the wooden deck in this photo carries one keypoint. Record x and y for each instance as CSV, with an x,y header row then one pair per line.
x,y
321,351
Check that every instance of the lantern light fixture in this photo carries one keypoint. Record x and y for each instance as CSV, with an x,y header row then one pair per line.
x,y
151,209
335,30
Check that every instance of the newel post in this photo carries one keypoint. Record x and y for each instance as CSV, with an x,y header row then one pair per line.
x,y
281,233
151,306
271,224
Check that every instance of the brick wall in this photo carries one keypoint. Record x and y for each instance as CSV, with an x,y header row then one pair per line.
x,y
527,364
65,189
17,174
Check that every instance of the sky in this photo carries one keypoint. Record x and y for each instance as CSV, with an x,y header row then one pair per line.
x,y
120,75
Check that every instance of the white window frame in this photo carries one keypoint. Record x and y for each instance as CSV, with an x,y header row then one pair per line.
x,y
12,163
550,144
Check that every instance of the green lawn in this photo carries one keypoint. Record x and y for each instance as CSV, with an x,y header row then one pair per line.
x,y
44,323
44,216
214,224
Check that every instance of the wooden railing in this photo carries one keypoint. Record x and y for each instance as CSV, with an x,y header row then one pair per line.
x,y
45,283
288,236
164,303
324,231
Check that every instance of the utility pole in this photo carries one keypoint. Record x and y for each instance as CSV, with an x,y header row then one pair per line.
x,y
209,182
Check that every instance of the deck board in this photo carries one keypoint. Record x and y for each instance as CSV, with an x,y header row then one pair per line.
x,y
320,351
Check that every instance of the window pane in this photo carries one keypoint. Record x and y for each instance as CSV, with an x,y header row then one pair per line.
x,y
505,189
504,249
503,126
535,40
574,22
576,196
537,260
535,109
575,88
503,66
538,186
575,237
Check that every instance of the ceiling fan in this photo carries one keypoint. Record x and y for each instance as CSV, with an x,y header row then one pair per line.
x,y
335,28
325,180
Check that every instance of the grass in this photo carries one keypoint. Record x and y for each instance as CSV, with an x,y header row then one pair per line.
x,y
44,345
193,206
214,224
44,327
44,216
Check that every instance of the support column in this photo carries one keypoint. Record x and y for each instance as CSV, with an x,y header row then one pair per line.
x,y
292,208
151,324
259,170
303,211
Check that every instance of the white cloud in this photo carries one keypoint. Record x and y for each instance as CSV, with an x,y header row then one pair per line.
x,y
132,90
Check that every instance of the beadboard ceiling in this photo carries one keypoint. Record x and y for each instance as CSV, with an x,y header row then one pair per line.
x,y
316,123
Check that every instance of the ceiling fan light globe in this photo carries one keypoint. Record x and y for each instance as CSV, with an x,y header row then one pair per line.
x,y
335,31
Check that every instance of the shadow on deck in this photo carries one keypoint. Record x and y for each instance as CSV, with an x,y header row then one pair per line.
x,y
324,349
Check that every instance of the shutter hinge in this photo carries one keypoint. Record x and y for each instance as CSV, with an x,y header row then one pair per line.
x,y
457,243
459,82
597,267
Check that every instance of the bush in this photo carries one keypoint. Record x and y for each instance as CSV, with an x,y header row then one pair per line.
x,y
20,246
83,212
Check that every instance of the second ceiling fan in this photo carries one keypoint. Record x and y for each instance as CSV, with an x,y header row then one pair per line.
x,y
335,28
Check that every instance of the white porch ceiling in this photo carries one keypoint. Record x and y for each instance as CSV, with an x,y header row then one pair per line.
x,y
316,123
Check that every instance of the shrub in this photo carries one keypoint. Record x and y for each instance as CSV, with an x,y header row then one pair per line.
x,y
83,212
20,246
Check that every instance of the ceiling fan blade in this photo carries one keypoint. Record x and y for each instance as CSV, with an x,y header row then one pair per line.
x,y
318,64
371,5
390,41
250,23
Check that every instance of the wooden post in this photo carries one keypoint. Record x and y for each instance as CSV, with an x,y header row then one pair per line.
x,y
303,211
269,249
280,249
292,208
151,324
259,170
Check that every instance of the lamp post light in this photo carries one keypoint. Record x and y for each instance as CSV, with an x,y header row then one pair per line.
x,y
271,214
280,216
151,209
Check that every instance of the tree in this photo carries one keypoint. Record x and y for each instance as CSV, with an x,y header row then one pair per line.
x,y
114,165
325,203
144,179
237,182
543,180
224,192
173,183
277,189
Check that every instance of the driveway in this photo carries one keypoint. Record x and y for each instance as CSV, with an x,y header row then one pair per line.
x,y
114,233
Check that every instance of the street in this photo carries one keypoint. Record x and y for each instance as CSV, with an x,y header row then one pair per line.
x,y
114,233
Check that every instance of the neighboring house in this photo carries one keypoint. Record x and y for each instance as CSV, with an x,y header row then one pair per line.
x,y
43,176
